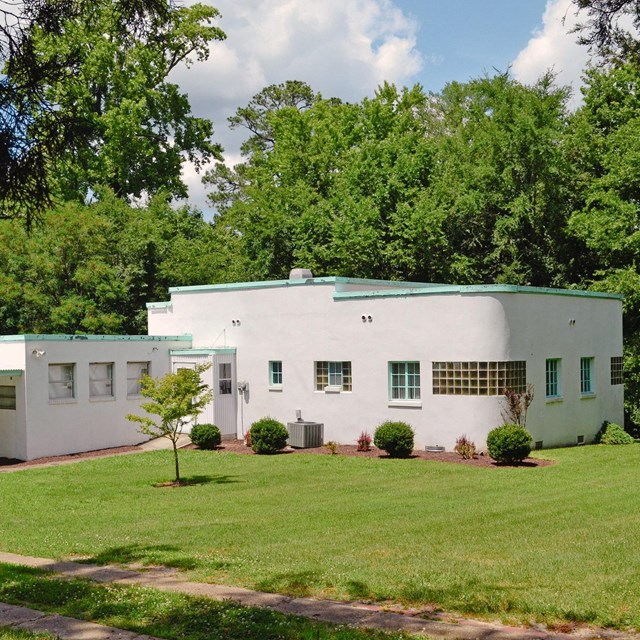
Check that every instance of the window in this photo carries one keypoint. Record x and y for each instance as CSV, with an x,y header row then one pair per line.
x,y
552,386
586,376
7,397
333,376
404,381
135,371
224,378
101,380
479,378
62,381
275,373
616,370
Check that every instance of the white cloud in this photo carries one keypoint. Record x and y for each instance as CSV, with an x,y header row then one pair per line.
x,y
342,48
554,47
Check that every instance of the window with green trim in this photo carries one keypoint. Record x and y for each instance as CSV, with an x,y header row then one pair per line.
x,y
333,375
275,373
586,376
404,381
552,378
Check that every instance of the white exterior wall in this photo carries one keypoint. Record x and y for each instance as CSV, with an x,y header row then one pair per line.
x,y
541,327
301,324
81,423
13,434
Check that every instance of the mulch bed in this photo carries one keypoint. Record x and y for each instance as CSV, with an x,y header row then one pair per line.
x,y
238,446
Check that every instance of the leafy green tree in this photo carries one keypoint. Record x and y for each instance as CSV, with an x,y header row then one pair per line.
x,y
470,185
176,398
82,86
91,268
84,99
611,27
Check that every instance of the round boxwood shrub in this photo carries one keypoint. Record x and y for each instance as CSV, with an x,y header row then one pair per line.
x,y
205,436
268,436
396,438
615,434
509,443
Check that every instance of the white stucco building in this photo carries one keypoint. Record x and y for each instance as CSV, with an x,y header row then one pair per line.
x,y
348,353
351,353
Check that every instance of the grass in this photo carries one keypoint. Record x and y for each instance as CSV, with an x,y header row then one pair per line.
x,y
165,615
17,634
547,544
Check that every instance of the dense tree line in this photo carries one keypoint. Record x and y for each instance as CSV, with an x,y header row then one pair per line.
x,y
486,181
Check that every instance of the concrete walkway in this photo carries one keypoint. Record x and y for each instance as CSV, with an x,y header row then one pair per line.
x,y
61,626
356,615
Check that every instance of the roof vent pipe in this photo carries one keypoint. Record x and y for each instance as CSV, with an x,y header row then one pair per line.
x,y
300,274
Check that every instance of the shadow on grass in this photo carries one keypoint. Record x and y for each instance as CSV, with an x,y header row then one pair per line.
x,y
188,481
160,554
166,615
298,584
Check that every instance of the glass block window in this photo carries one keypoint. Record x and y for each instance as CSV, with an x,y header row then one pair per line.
x,y
479,378
616,370
586,376
101,380
62,381
7,396
224,378
333,374
404,381
135,371
552,378
275,373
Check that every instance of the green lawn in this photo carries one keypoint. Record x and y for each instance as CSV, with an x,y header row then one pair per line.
x,y
172,616
16,634
551,543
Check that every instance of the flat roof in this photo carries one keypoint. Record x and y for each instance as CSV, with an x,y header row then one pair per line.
x,y
43,337
473,289
388,288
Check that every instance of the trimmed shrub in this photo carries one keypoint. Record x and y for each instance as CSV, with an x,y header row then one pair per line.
x,y
465,448
509,443
205,436
268,436
612,433
396,438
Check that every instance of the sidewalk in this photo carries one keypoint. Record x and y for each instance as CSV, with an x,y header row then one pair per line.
x,y
61,626
356,615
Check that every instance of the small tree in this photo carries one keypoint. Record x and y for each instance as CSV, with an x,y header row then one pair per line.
x,y
516,405
174,398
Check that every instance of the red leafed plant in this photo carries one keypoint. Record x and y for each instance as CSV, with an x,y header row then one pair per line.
x,y
465,448
364,441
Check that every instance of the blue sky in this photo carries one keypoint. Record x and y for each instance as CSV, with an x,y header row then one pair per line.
x,y
461,39
347,48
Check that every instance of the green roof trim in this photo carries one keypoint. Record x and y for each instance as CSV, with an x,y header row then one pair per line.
x,y
270,284
159,305
36,337
11,372
202,352
473,289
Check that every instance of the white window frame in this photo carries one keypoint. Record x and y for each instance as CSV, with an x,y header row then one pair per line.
x,y
275,374
553,379
404,381
62,382
96,382
133,379
587,373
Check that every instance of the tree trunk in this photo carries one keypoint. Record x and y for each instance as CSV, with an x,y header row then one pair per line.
x,y
175,455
